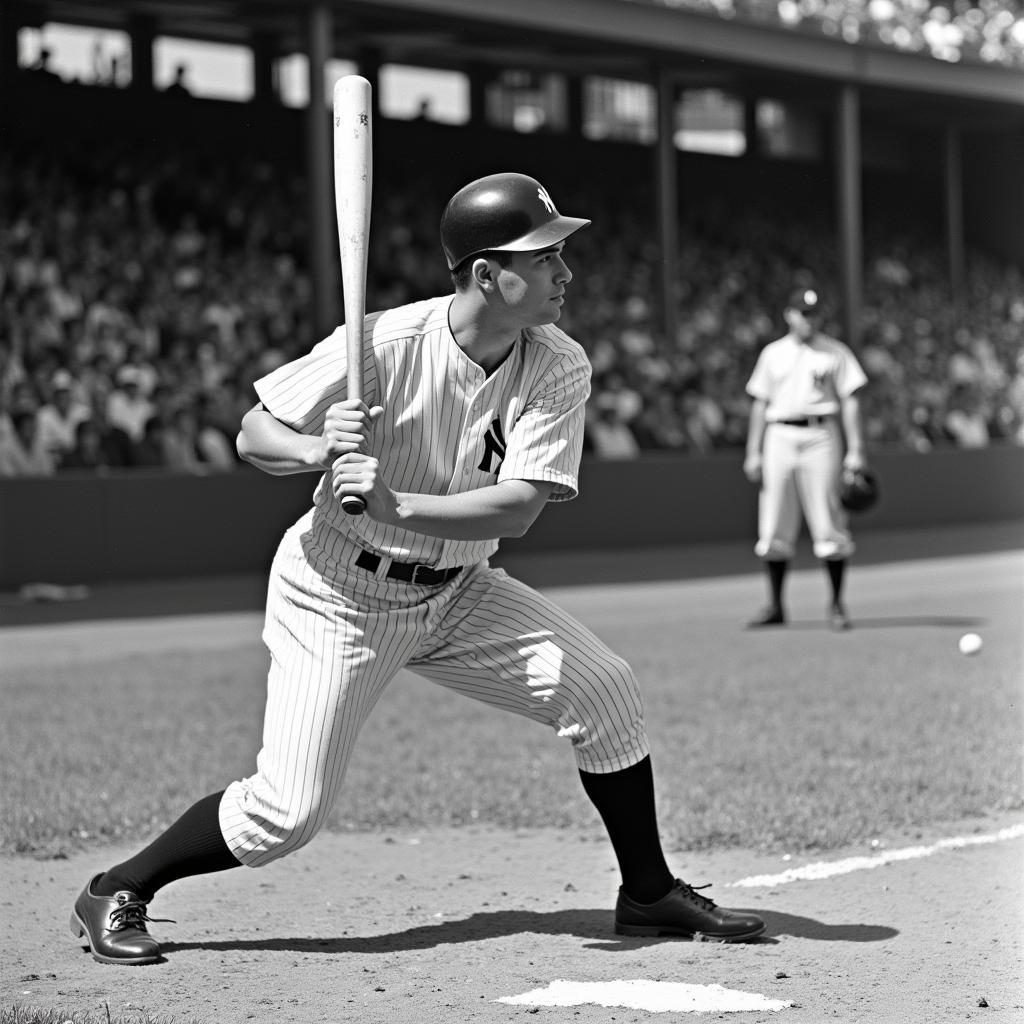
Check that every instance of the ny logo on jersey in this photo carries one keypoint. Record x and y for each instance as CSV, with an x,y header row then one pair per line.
x,y
494,444
542,195
821,379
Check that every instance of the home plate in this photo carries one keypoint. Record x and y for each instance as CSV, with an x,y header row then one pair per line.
x,y
641,994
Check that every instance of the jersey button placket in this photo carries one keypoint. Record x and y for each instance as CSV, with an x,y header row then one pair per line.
x,y
468,431
474,415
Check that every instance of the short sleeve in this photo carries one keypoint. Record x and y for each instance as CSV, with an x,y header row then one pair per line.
x,y
300,392
760,386
850,377
546,442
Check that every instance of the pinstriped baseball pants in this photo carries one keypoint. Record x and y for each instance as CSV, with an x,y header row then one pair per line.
x,y
337,636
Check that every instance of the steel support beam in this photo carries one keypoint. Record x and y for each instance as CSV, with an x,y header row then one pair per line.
x,y
667,206
850,222
322,223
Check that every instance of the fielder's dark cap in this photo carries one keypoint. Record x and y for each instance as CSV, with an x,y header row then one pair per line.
x,y
806,300
505,212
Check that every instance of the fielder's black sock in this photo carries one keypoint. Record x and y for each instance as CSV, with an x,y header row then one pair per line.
x,y
625,801
193,845
777,569
836,568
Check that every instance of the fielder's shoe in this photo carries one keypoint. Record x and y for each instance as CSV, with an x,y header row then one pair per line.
x,y
685,912
837,617
771,616
115,927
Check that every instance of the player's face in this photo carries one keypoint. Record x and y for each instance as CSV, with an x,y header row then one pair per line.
x,y
803,324
533,285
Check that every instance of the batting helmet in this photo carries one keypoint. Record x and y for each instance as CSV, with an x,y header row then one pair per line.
x,y
508,212
859,490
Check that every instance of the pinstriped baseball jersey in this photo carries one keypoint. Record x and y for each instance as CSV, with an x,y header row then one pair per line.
x,y
447,426
338,632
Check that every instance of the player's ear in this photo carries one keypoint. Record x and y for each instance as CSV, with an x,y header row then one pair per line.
x,y
482,273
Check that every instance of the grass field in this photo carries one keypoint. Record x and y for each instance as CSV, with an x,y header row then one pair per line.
x,y
25,1015
791,740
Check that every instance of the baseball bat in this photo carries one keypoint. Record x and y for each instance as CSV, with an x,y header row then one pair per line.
x,y
353,187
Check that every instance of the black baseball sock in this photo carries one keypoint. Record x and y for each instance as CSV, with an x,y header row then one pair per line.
x,y
193,845
836,568
777,569
625,801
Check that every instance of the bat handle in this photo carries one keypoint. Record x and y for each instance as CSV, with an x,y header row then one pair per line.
x,y
353,504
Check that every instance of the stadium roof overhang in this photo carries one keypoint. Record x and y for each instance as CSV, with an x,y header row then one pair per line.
x,y
624,38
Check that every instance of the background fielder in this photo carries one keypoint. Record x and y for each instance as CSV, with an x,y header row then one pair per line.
x,y
804,431
474,421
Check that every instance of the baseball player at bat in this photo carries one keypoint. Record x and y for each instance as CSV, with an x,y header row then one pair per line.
x,y
471,421
804,432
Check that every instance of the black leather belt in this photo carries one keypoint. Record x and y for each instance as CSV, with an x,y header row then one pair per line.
x,y
409,572
806,421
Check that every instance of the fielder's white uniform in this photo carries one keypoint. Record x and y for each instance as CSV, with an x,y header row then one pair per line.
x,y
338,633
804,384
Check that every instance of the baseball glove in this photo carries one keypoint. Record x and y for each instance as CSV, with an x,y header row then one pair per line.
x,y
859,490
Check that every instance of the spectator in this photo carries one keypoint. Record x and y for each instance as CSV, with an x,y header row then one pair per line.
x,y
58,420
966,420
12,369
21,453
180,450
144,371
659,426
150,451
214,447
22,398
610,436
88,451
179,87
127,407
118,448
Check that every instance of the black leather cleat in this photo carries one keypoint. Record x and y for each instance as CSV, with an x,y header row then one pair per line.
x,y
837,618
769,617
114,927
685,912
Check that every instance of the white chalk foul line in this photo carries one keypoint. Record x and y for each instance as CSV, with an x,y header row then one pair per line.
x,y
642,994
827,869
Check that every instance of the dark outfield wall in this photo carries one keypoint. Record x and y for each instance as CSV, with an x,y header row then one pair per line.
x,y
89,529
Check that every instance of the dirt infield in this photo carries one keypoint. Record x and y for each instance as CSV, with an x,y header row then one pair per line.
x,y
437,926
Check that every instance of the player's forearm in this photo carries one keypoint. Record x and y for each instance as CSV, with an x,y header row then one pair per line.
x,y
755,431
506,509
269,445
852,428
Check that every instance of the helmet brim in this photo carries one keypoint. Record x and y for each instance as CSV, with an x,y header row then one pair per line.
x,y
549,233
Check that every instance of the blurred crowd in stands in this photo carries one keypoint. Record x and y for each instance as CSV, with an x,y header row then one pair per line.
x,y
141,294
989,31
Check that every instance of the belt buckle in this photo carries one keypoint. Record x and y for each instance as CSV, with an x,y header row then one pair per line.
x,y
416,573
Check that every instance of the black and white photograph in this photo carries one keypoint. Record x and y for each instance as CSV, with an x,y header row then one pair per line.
x,y
511,511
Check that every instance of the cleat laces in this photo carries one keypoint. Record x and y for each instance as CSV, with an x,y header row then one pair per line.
x,y
690,892
132,914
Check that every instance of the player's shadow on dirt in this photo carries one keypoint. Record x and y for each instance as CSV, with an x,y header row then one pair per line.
x,y
586,924
894,622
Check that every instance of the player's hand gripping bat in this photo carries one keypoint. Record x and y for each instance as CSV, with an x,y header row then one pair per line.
x,y
353,187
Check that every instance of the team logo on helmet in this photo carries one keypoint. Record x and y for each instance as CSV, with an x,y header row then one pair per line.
x,y
504,212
